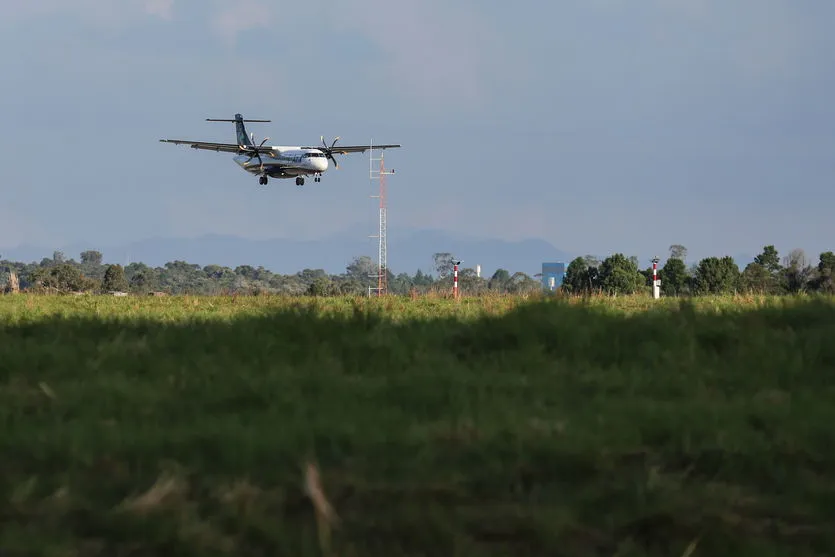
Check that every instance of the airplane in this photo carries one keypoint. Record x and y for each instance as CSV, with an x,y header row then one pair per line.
x,y
277,161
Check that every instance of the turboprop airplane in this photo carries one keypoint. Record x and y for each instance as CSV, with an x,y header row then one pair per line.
x,y
277,161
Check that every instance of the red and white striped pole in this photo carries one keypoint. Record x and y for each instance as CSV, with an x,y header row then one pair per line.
x,y
656,284
455,279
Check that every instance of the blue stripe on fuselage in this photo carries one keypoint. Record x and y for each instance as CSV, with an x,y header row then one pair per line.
x,y
274,169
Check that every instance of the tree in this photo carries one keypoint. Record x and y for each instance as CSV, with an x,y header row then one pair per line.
x,y
619,275
363,270
576,276
797,271
499,280
139,282
677,251
769,259
307,276
322,286
592,261
114,279
582,275
246,271
767,281
400,284
673,276
141,277
91,258
827,262
715,275
521,283
756,278
422,279
825,281
470,283
217,272
592,278
91,264
62,277
443,264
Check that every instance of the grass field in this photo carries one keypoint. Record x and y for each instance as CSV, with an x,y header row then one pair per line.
x,y
198,426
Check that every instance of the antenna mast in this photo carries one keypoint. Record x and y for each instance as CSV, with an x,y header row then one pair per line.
x,y
382,263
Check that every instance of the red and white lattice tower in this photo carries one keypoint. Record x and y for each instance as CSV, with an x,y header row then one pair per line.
x,y
455,279
382,256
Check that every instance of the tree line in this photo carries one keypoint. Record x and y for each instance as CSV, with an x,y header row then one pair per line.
x,y
767,274
89,274
614,275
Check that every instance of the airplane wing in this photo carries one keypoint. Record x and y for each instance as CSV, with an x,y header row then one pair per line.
x,y
345,149
225,147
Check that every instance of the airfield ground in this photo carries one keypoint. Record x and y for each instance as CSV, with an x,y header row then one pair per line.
x,y
185,426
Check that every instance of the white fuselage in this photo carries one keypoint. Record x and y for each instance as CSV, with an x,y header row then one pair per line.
x,y
285,162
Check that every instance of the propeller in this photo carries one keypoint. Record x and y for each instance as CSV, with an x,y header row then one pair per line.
x,y
329,150
255,152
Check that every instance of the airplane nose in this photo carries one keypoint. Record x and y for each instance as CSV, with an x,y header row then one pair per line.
x,y
321,164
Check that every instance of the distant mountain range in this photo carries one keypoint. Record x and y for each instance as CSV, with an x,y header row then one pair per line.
x,y
408,251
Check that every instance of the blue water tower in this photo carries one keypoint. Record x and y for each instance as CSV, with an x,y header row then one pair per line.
x,y
552,275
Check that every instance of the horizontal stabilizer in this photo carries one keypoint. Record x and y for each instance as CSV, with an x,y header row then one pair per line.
x,y
233,121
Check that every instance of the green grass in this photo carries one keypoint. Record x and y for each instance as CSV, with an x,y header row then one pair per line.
x,y
184,425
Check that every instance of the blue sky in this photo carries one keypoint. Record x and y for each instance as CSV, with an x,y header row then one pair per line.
x,y
597,125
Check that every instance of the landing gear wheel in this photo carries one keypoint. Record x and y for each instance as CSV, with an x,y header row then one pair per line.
x,y
299,181
262,180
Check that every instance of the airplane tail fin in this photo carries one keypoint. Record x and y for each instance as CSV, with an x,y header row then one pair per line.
x,y
240,129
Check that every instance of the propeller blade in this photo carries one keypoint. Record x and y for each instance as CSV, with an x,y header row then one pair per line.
x,y
329,150
253,152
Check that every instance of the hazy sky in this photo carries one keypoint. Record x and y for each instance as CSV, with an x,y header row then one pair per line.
x,y
597,125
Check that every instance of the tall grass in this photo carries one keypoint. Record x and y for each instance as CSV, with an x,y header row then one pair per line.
x,y
261,425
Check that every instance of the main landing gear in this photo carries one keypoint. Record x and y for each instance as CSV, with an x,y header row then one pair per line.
x,y
299,180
